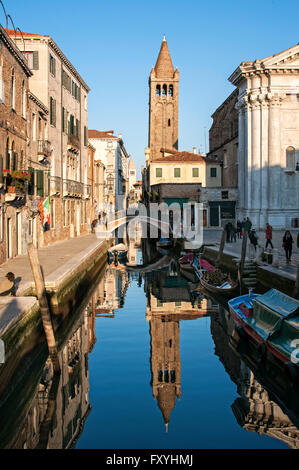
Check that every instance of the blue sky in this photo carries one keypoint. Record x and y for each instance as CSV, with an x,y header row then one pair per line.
x,y
113,45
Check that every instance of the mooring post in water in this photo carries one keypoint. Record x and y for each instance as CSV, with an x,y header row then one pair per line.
x,y
43,304
221,248
243,255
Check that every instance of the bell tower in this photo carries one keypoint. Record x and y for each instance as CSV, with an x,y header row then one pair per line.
x,y
163,104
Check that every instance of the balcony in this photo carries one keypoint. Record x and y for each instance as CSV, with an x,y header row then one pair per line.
x,y
55,185
73,143
73,188
44,148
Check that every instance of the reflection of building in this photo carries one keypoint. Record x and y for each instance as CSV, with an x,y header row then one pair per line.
x,y
60,406
168,303
254,410
110,293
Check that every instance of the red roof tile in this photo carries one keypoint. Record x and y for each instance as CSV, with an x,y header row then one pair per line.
x,y
181,157
94,134
11,32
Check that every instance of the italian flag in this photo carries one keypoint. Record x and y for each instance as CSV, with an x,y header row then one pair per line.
x,y
46,210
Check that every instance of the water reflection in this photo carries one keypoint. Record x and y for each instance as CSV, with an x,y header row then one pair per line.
x,y
55,413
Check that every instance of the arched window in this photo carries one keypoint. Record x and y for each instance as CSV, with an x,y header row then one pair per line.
x,y
169,122
158,90
170,90
164,90
290,158
14,158
12,89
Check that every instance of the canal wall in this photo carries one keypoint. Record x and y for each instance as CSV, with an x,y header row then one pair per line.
x,y
268,277
67,288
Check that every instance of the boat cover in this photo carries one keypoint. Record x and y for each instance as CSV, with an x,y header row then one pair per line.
x,y
119,247
188,258
270,310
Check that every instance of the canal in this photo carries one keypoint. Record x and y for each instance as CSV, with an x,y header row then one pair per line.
x,y
147,365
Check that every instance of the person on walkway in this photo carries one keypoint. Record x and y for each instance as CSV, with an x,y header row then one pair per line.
x,y
233,234
7,286
287,243
269,236
253,238
247,225
239,229
243,227
227,231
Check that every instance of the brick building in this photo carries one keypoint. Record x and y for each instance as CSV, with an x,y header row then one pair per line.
x,y
163,104
14,109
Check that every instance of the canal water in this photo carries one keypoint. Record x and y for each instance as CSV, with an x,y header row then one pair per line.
x,y
147,365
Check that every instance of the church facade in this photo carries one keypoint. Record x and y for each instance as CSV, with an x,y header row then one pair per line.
x,y
268,138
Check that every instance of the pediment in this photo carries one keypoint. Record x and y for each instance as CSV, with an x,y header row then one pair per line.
x,y
285,59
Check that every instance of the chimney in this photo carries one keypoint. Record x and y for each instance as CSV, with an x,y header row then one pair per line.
x,y
120,136
194,149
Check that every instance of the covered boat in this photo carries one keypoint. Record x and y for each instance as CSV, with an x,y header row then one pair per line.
x,y
164,243
272,319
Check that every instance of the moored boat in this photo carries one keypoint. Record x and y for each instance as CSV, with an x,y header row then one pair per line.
x,y
272,319
164,243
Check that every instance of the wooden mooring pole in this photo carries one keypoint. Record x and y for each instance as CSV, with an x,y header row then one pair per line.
x,y
221,248
44,307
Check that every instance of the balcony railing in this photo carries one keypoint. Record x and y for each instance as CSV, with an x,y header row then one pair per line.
x,y
44,148
73,188
73,141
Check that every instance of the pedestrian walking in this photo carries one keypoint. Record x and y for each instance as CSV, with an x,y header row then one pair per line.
x,y
242,227
253,238
269,236
287,243
239,229
247,225
227,231
233,234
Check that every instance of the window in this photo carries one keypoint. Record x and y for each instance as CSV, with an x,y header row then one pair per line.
x,y
63,120
158,90
12,89
169,122
170,90
290,158
52,111
158,172
195,172
33,126
52,66
224,194
77,129
177,172
23,100
32,59
164,90
213,172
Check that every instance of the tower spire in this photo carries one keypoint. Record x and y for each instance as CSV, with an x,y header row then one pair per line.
x,y
164,67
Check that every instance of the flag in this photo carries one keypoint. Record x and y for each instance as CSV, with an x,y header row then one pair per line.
x,y
46,211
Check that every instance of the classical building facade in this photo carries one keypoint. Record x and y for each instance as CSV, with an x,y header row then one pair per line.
x,y
57,84
111,151
163,104
268,154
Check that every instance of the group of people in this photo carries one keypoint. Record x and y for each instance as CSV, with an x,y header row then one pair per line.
x,y
232,233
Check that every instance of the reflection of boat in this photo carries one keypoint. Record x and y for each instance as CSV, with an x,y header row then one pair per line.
x,y
120,251
164,243
272,319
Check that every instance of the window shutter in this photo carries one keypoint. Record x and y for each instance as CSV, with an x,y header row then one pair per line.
x,y
54,112
1,169
62,120
40,182
35,60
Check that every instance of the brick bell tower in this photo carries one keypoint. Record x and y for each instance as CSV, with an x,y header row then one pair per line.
x,y
163,104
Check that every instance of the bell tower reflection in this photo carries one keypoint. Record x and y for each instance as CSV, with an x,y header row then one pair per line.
x,y
168,303
165,363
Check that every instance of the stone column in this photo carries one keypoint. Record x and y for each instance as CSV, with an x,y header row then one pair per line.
x,y
274,150
255,168
264,161
247,157
241,156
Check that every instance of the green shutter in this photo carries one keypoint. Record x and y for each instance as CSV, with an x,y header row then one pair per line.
x,y
35,60
40,183
158,172
54,112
